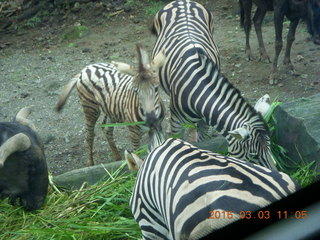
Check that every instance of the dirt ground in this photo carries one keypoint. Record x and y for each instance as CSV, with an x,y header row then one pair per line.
x,y
35,63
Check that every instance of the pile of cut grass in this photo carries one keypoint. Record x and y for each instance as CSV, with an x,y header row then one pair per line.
x,y
100,211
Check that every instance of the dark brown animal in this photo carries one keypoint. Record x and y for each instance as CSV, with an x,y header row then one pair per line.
x,y
294,10
23,167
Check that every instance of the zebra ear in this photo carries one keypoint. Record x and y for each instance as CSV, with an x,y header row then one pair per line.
x,y
263,105
133,161
143,57
239,133
124,68
159,60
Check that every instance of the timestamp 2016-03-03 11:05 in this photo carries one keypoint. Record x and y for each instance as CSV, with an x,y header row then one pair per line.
x,y
263,214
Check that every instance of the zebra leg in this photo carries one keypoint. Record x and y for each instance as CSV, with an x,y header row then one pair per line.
x,y
135,135
169,129
202,130
91,114
193,134
176,127
108,131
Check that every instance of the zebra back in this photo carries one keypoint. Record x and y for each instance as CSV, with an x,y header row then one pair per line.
x,y
180,26
104,85
179,184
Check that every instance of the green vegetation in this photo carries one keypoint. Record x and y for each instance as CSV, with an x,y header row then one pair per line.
x,y
76,32
153,7
102,211
304,173
32,22
96,212
124,124
150,7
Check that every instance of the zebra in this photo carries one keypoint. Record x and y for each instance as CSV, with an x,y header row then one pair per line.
x,y
103,87
179,186
199,92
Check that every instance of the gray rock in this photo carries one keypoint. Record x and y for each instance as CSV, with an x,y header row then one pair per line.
x,y
216,144
75,178
298,124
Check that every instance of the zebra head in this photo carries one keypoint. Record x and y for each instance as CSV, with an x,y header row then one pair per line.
x,y
146,85
252,141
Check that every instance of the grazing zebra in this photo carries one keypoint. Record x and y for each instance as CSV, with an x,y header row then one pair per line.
x,y
199,93
179,187
121,97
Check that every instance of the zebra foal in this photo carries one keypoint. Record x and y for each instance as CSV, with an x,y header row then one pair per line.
x,y
123,93
179,185
198,92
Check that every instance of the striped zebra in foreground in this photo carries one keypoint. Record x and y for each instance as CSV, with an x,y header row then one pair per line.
x,y
121,97
178,185
199,93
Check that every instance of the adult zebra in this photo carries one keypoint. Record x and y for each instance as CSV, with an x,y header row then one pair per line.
x,y
179,187
199,93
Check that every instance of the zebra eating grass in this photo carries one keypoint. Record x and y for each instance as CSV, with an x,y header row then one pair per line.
x,y
198,92
123,93
179,186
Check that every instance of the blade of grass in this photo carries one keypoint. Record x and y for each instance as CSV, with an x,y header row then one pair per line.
x,y
124,124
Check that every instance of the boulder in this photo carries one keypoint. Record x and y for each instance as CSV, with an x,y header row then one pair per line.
x,y
75,178
298,129
217,144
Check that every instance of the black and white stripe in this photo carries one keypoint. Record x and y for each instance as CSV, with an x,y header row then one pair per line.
x,y
121,97
199,93
179,184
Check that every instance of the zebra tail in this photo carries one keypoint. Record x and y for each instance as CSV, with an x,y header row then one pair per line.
x,y
66,92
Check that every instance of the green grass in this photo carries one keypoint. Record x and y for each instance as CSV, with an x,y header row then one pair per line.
x,y
97,212
150,7
102,211
304,173
124,124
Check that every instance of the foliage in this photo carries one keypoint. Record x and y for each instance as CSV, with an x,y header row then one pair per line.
x,y
100,211
76,32
151,7
32,22
303,172
124,124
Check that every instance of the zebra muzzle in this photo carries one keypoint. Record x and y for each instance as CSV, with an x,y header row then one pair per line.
x,y
152,120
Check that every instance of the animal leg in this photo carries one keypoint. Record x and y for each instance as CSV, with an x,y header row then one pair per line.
x,y
135,136
290,40
257,19
108,131
91,114
176,126
278,23
247,6
169,129
202,130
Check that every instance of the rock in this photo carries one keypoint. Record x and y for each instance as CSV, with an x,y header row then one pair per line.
x,y
299,129
76,7
216,144
86,50
49,138
75,178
